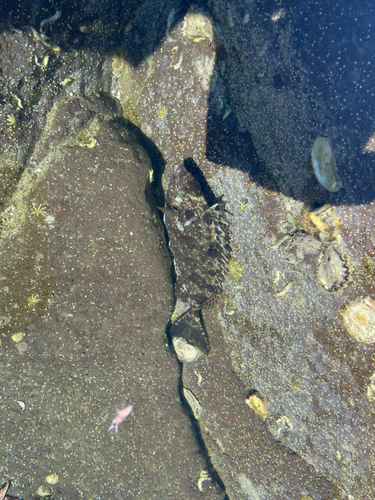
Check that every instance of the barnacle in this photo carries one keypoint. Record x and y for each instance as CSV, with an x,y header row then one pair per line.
x,y
131,112
17,337
229,308
296,383
285,290
332,271
359,320
43,491
194,404
234,269
197,26
161,112
16,101
41,62
184,351
283,425
307,224
326,221
11,120
369,146
371,389
244,204
86,137
52,479
324,164
203,476
4,320
257,404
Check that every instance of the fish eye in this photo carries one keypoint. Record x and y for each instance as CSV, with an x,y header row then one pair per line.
x,y
182,193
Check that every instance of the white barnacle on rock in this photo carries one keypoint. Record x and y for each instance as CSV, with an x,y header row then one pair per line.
x,y
324,164
186,353
332,271
359,320
197,26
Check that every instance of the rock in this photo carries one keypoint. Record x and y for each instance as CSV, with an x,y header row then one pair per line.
x,y
251,131
85,278
244,93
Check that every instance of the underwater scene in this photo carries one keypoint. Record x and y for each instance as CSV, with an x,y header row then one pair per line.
x,y
187,250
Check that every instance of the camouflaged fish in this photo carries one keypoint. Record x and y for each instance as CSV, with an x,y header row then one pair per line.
x,y
199,240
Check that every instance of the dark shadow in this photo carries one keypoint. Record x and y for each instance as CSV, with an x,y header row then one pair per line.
x,y
335,75
136,27
196,172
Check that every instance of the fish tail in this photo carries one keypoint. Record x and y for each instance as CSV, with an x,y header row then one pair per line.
x,y
190,327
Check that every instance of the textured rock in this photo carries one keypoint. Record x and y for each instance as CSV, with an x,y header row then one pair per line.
x,y
303,254
245,98
85,286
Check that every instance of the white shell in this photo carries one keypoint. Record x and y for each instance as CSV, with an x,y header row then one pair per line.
x,y
359,320
324,164
185,352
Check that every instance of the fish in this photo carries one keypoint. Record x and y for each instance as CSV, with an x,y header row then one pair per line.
x,y
199,239
120,416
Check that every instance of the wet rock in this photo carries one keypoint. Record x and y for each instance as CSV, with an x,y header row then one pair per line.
x,y
85,279
247,105
283,329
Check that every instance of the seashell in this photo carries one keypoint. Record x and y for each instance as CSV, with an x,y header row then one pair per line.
x,y
185,352
332,271
324,164
359,320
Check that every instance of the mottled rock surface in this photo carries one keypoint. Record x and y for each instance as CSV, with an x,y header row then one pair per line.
x,y
85,286
299,269
244,89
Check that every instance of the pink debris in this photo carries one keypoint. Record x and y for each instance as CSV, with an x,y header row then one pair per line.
x,y
120,416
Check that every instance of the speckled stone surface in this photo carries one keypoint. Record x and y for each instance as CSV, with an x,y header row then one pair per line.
x,y
300,269
243,89
85,286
